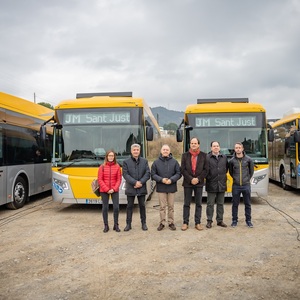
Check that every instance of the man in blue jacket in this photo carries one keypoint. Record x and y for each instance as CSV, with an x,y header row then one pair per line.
x,y
166,172
241,169
136,172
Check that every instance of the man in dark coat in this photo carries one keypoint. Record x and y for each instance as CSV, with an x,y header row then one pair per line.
x,y
166,172
241,169
136,172
194,168
216,184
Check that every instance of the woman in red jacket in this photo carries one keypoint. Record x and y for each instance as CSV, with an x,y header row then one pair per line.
x,y
109,178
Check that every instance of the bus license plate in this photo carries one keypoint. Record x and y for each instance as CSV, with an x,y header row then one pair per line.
x,y
93,201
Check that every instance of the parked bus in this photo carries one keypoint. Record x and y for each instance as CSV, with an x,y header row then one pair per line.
x,y
87,127
25,154
229,121
284,152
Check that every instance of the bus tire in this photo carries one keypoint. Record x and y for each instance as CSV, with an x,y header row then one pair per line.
x,y
20,194
283,179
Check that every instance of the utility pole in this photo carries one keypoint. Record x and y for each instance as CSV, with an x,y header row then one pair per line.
x,y
34,97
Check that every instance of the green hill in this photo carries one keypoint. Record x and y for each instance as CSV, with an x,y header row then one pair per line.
x,y
166,116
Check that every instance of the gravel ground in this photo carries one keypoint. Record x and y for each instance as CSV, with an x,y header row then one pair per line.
x,y
54,251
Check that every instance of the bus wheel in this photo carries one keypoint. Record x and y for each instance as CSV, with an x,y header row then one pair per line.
x,y
20,194
283,179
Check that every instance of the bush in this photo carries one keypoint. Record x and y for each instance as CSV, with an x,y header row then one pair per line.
x,y
155,146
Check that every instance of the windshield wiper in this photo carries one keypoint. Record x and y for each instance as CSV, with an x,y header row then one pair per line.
x,y
70,164
81,158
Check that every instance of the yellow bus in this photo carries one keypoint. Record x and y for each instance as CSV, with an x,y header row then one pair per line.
x,y
88,126
284,152
230,120
25,150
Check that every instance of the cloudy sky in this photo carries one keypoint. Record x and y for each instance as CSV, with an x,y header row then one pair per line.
x,y
169,52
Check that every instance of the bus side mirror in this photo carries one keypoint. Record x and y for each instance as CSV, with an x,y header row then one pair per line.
x,y
149,133
297,136
271,135
43,133
179,135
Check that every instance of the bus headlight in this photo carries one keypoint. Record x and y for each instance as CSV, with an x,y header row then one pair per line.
x,y
257,179
60,183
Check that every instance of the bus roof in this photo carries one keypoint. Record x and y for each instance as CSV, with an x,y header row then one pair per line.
x,y
25,107
286,119
101,101
224,107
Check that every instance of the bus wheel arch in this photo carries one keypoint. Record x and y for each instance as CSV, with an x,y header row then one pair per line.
x,y
20,193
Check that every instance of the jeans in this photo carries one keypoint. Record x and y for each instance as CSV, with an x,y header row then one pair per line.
x,y
105,206
213,198
237,190
188,191
129,210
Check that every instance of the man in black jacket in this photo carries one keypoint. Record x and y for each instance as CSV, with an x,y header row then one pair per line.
x,y
166,172
241,169
194,168
216,181
136,172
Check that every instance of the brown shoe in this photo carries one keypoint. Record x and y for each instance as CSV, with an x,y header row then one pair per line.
x,y
198,227
160,227
222,224
172,226
209,224
184,227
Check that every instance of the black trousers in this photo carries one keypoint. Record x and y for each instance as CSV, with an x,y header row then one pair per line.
x,y
142,205
188,191
105,207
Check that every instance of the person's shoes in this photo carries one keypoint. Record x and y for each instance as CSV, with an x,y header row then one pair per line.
x,y
249,224
106,228
160,227
144,227
198,227
234,224
222,224
184,227
116,228
127,228
172,226
209,224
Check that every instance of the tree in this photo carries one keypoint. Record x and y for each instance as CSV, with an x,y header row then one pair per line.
x,y
170,126
48,105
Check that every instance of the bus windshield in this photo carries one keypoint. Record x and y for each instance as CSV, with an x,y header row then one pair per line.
x,y
228,129
82,142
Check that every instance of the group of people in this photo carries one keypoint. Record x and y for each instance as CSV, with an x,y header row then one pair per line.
x,y
197,168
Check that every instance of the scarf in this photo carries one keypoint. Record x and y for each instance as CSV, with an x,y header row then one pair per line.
x,y
194,159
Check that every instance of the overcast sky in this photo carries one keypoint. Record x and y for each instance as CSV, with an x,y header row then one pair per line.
x,y
169,52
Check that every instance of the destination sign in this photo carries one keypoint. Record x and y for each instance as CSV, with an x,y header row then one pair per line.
x,y
97,118
245,121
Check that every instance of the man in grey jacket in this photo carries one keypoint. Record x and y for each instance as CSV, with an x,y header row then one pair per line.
x,y
166,172
136,172
241,169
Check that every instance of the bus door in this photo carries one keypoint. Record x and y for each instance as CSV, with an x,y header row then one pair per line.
x,y
2,172
42,170
290,154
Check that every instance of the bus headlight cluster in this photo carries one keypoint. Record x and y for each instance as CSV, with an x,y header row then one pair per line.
x,y
62,184
257,179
